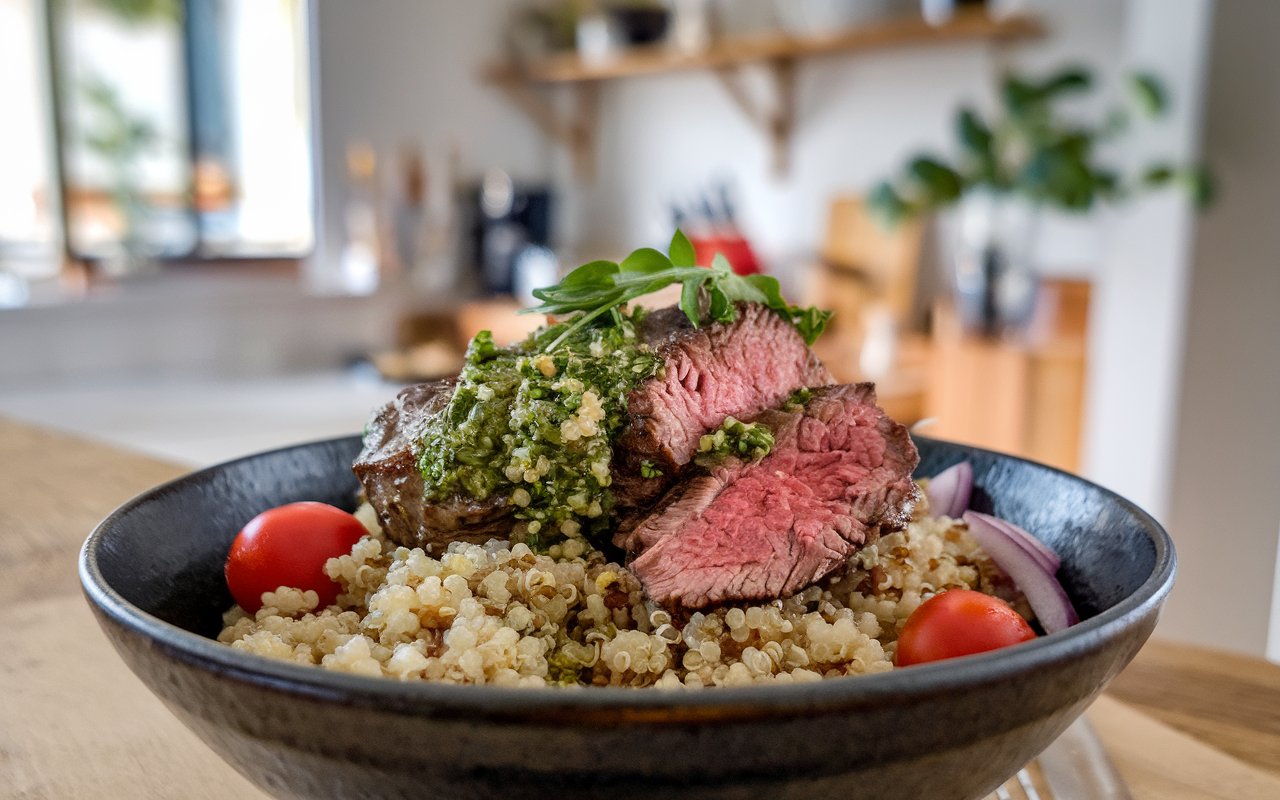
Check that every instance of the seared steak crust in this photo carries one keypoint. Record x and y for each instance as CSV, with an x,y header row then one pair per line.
x,y
839,474
388,470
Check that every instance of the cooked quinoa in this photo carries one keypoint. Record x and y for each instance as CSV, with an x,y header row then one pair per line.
x,y
504,615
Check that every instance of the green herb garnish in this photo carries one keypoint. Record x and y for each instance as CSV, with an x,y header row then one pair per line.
x,y
536,429
648,470
601,288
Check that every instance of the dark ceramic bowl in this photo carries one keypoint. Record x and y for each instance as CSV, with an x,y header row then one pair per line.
x,y
153,573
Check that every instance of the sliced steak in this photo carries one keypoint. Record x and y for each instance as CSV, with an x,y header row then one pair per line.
x,y
839,474
388,470
718,370
736,369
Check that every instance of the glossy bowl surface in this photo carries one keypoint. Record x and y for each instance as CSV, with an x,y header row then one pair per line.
x,y
152,572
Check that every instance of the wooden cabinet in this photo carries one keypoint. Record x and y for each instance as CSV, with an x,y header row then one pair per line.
x,y
1020,395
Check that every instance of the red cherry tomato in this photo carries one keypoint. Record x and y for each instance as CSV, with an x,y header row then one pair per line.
x,y
959,622
287,546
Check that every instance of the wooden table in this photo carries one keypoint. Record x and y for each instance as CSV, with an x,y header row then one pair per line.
x,y
1181,722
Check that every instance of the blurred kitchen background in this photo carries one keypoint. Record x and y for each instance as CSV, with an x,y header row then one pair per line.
x,y
227,225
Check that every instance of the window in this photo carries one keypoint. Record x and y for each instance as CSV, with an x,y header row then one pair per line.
x,y
183,128
27,197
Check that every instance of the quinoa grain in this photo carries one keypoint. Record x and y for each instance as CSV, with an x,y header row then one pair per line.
x,y
504,615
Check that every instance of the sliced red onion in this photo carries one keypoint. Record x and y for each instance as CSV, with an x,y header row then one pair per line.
x,y
1047,558
950,489
1046,596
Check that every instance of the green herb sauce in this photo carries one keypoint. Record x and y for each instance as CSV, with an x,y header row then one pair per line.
x,y
745,440
537,428
798,400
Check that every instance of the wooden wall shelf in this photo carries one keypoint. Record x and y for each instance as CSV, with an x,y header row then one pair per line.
x,y
525,83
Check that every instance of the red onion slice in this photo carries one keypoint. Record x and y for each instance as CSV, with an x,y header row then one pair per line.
x,y
1046,596
950,489
1047,558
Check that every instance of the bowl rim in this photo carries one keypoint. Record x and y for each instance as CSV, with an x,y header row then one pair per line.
x,y
921,681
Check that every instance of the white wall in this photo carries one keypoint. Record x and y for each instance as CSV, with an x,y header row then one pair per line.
x,y
1224,503
1139,302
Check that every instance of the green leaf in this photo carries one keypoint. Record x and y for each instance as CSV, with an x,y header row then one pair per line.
x,y
720,265
941,183
1076,144
1201,185
769,289
593,293
1071,79
646,259
594,273
1158,175
1148,94
1196,181
887,205
1106,183
721,308
975,134
1019,96
681,250
690,301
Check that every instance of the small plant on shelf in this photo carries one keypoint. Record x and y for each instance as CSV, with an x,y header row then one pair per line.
x,y
1010,165
1032,150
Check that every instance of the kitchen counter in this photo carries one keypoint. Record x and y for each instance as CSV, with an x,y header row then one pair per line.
x,y
199,421
1180,722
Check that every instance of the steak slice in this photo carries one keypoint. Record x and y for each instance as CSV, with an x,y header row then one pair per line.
x,y
724,369
839,474
388,469
739,369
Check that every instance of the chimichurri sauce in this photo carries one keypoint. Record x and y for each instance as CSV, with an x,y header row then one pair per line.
x,y
537,429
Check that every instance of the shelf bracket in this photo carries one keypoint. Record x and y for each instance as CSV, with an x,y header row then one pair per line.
x,y
576,130
777,121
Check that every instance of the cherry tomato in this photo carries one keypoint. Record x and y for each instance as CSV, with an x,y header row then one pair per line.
x,y
287,546
959,622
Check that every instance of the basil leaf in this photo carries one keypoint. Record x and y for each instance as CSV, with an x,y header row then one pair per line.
x,y
721,307
646,259
593,292
689,300
721,266
594,273
681,250
769,292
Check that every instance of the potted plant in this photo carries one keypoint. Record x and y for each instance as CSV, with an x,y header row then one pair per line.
x,y
1013,165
